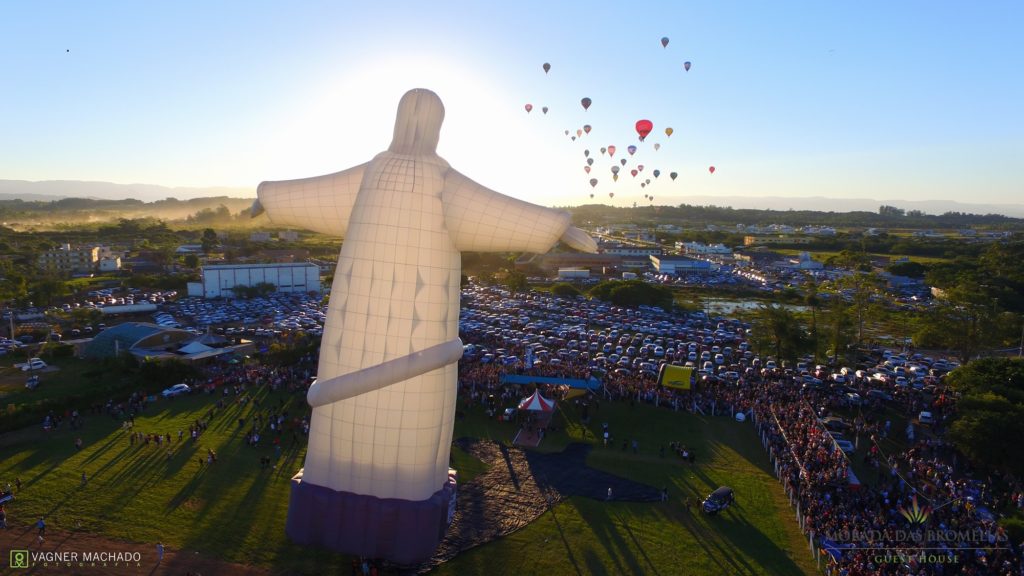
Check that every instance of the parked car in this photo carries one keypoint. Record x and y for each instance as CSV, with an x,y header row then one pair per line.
x,y
33,364
176,390
926,417
718,500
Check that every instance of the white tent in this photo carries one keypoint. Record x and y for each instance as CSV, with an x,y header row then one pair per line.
x,y
194,347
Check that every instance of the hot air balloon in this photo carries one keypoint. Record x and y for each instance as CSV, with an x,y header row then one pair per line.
x,y
603,150
640,167
633,172
529,107
573,138
673,175
547,67
579,132
652,198
591,195
593,182
631,149
615,169
586,103
643,184
669,131
711,169
615,177
590,161
648,181
686,66
611,151
611,194
566,132
586,128
664,42
657,146
586,169
643,128
657,172
586,153
645,195
623,161
544,109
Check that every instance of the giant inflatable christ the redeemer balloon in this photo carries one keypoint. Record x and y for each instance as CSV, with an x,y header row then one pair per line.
x,y
375,481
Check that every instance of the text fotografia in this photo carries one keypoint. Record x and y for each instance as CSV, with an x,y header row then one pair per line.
x,y
957,538
67,558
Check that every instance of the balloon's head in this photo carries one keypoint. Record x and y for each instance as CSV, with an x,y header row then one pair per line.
x,y
418,125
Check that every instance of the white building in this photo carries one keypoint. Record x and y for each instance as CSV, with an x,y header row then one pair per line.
x,y
259,236
288,236
218,281
110,264
703,249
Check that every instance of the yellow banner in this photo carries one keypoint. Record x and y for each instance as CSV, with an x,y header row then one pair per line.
x,y
678,377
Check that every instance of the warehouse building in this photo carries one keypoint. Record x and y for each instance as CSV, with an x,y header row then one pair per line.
x,y
219,281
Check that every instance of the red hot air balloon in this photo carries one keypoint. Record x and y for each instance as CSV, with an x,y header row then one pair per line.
x,y
674,175
586,128
686,66
529,108
586,102
664,42
593,182
711,169
633,172
643,128
547,67
544,109
586,169
631,149
611,151
579,132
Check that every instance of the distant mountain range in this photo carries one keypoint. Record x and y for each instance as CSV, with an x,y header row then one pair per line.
x,y
56,189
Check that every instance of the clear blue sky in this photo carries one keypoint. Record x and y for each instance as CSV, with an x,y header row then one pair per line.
x,y
880,99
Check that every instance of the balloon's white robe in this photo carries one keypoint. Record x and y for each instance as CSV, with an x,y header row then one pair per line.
x,y
376,471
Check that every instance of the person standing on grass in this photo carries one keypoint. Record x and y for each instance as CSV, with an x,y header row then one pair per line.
x,y
42,529
159,552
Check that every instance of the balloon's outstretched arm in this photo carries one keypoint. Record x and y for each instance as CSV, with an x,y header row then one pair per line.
x,y
321,204
482,220
384,374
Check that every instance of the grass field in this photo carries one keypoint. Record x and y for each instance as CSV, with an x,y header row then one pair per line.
x,y
823,255
235,511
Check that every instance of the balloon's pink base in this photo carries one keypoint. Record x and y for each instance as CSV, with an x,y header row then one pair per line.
x,y
400,531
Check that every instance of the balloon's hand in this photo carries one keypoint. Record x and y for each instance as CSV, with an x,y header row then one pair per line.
x,y
579,240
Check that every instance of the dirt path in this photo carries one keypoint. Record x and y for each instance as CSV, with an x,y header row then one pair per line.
x,y
175,562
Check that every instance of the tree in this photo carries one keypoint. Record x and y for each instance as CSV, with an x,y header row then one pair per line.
x,y
990,411
516,282
963,320
781,332
565,290
209,240
191,261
